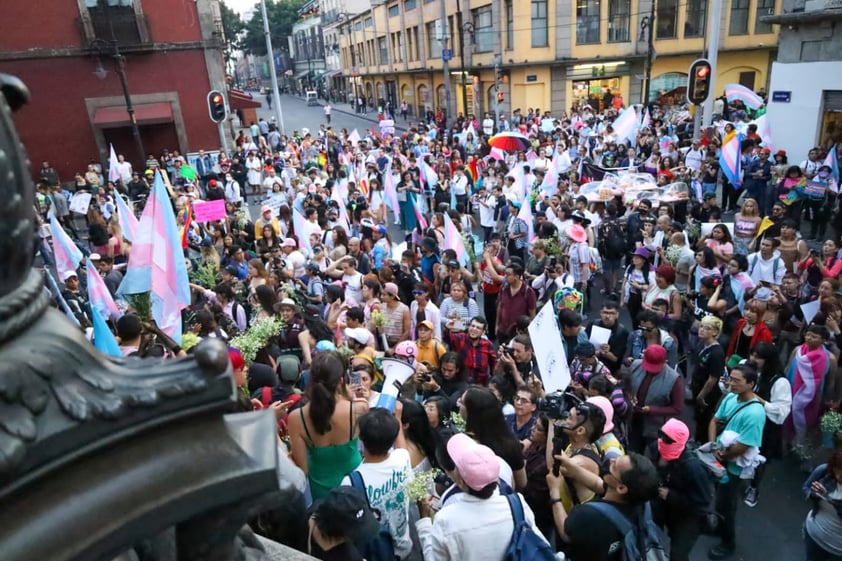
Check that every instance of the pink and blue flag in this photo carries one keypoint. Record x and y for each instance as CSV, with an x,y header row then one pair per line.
x,y
453,240
390,191
98,294
497,154
832,161
625,126
747,96
67,255
729,160
113,163
525,214
647,119
550,183
128,221
429,174
104,339
420,215
299,223
156,263
335,195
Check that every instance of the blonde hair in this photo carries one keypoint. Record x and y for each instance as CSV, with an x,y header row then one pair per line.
x,y
754,213
714,322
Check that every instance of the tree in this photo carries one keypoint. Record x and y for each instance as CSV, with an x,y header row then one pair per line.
x,y
232,27
282,15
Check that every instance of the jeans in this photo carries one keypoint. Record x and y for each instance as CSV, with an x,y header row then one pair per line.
x,y
815,552
683,535
728,495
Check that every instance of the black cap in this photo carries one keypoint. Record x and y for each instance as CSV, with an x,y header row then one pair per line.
x,y
231,270
344,512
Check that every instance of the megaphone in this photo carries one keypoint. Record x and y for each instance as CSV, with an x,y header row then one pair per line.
x,y
397,372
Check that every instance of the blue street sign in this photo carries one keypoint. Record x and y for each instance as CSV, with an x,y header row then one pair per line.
x,y
782,97
447,54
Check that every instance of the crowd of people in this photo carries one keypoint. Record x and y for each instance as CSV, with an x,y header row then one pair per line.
x,y
685,328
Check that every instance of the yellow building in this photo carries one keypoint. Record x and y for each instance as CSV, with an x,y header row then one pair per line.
x,y
543,54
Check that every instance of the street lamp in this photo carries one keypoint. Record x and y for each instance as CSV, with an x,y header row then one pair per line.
x,y
112,49
469,27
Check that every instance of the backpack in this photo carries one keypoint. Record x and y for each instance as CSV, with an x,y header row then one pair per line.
x,y
774,265
234,310
641,543
526,545
613,240
382,546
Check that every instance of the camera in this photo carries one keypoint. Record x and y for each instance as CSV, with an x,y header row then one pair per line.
x,y
557,405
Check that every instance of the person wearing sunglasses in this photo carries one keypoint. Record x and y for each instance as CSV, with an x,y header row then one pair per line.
x,y
685,491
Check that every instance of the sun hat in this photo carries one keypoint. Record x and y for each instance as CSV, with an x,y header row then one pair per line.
x,y
642,252
654,358
577,233
676,431
579,215
607,409
477,464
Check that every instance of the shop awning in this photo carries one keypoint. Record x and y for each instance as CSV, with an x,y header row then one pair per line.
x,y
330,74
238,99
301,74
145,114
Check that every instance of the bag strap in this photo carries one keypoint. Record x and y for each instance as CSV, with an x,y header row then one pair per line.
x,y
516,508
266,396
613,514
740,408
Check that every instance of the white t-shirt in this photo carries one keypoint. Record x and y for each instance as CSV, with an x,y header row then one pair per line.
x,y
486,214
353,287
295,262
459,184
385,485
488,125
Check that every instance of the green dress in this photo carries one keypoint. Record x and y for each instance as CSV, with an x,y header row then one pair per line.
x,y
327,465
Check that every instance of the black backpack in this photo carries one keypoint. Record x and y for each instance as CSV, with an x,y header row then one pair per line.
x,y
382,546
613,240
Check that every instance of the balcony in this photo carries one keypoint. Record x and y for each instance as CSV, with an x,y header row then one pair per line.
x,y
128,29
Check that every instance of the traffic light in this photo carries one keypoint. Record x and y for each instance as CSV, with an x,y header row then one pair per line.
x,y
216,106
699,81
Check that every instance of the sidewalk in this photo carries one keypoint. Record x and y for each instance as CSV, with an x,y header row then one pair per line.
x,y
348,109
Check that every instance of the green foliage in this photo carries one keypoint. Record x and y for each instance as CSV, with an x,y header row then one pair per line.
x,y
282,15
189,340
232,27
831,422
257,337
421,485
204,275
551,245
141,304
456,422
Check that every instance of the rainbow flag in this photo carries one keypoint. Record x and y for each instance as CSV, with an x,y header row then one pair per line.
x,y
729,160
157,264
98,294
744,94
363,186
67,255
471,171
185,229
453,240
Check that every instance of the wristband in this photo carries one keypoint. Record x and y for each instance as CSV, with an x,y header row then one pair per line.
x,y
554,501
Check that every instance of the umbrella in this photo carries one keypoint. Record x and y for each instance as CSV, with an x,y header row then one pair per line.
x,y
510,141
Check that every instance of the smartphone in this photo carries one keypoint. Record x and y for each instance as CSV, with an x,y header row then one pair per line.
x,y
355,378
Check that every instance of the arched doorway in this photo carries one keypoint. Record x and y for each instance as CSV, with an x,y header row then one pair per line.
x,y
408,95
424,101
369,92
441,97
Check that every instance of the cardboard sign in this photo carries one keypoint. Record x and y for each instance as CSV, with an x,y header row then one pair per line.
x,y
549,349
208,211
80,202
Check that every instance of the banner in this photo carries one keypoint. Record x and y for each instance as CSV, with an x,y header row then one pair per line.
x,y
80,202
549,349
209,211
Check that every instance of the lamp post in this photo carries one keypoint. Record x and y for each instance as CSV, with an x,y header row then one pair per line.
x,y
469,27
110,48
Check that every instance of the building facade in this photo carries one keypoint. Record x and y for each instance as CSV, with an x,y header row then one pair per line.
x,y
805,92
171,51
544,54
307,48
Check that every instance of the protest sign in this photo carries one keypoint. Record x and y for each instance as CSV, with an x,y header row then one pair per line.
x,y
80,202
549,349
207,211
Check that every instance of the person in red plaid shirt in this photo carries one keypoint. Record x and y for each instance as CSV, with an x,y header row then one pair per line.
x,y
477,352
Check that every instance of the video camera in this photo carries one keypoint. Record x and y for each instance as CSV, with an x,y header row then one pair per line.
x,y
557,405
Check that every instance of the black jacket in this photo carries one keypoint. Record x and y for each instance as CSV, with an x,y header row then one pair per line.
x,y
690,486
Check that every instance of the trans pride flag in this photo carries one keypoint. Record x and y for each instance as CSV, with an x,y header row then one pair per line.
x,y
625,126
66,253
744,94
390,191
833,162
453,240
128,221
729,160
157,264
98,295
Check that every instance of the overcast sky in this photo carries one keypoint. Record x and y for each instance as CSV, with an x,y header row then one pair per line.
x,y
240,6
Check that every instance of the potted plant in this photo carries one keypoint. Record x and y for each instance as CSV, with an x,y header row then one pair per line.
x,y
830,424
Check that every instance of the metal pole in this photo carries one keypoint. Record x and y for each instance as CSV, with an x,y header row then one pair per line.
x,y
650,52
223,139
496,95
121,72
462,62
279,115
712,33
448,96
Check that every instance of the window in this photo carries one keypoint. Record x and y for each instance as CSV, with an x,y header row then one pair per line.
x,y
483,30
764,8
666,19
433,45
539,23
747,79
394,10
358,25
115,18
369,22
410,5
510,25
739,17
619,13
587,21
696,18
383,48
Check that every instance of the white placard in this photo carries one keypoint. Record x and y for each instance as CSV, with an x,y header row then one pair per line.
x,y
707,227
275,203
549,349
599,336
810,309
80,202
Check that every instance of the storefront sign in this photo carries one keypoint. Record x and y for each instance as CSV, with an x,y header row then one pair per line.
x,y
532,78
782,97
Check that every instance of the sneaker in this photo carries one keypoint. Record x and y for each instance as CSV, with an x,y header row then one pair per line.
x,y
750,498
720,552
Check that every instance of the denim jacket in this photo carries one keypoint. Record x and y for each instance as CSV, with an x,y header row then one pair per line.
x,y
821,475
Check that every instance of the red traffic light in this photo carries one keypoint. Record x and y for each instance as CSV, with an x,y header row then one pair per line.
x,y
216,99
702,72
699,82
216,106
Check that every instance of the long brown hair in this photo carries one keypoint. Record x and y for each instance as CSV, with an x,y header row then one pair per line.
x,y
327,372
